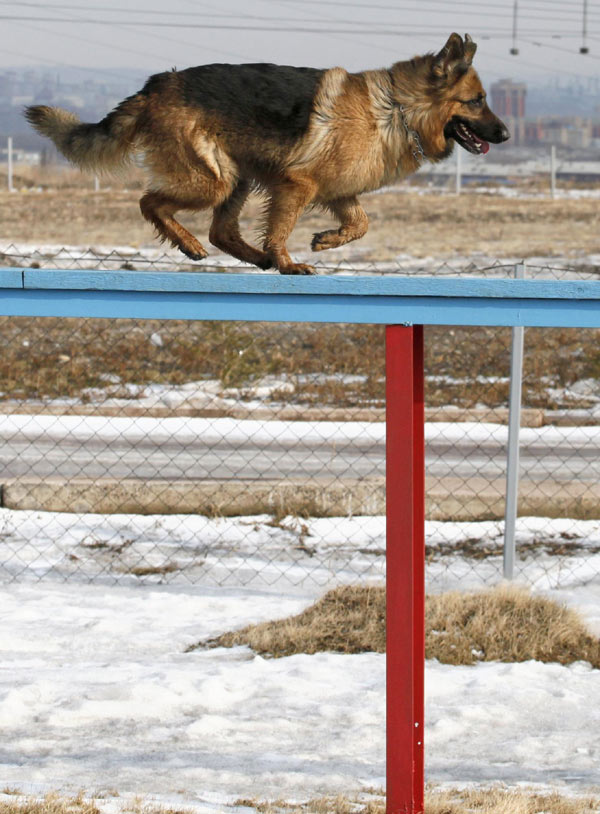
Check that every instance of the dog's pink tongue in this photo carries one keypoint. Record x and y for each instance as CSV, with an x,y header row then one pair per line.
x,y
483,145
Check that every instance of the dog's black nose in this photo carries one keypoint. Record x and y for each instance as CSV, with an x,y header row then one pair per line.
x,y
503,134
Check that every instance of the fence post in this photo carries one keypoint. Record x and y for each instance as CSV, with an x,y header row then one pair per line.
x,y
9,173
458,172
512,458
553,171
405,508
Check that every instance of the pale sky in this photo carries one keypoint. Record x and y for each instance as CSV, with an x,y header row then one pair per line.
x,y
155,35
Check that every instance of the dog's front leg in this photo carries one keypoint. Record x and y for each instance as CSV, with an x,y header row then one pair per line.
x,y
288,199
353,224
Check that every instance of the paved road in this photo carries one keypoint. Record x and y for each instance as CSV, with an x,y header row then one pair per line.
x,y
164,459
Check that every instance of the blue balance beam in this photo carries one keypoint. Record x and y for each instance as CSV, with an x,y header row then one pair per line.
x,y
275,298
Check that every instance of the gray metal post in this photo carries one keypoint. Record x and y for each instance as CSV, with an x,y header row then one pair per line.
x,y
512,460
553,170
458,171
9,150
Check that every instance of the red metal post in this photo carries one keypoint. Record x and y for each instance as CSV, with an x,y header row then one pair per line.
x,y
405,498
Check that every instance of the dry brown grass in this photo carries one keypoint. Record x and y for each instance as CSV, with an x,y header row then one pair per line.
x,y
55,803
154,570
65,179
346,620
334,804
401,222
50,804
502,624
52,358
501,801
506,624
469,801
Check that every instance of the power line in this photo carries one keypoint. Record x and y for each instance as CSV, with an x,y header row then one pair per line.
x,y
534,65
82,39
350,35
475,5
489,32
171,14
558,48
119,48
341,38
568,16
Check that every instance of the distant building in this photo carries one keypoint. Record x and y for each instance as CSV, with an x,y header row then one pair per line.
x,y
565,131
508,99
508,102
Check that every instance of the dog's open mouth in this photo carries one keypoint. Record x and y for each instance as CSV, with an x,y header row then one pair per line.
x,y
462,133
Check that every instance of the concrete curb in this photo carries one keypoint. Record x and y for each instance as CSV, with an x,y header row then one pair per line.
x,y
447,499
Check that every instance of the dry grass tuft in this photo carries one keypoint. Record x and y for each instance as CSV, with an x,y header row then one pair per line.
x,y
506,624
151,570
346,620
503,624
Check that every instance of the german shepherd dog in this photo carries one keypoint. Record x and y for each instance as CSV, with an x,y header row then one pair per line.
x,y
302,136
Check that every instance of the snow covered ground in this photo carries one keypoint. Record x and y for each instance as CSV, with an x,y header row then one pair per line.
x,y
287,555
98,693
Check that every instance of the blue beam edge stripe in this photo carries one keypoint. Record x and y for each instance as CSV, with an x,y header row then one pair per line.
x,y
340,308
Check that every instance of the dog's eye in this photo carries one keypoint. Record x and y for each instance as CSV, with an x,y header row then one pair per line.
x,y
475,102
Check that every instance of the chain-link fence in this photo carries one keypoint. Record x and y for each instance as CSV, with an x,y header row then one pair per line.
x,y
163,451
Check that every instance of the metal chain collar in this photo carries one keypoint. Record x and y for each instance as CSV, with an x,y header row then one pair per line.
x,y
418,152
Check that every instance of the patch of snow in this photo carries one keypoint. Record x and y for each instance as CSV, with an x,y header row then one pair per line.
x,y
98,692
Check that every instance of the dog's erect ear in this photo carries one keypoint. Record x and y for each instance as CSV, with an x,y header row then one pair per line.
x,y
470,48
455,58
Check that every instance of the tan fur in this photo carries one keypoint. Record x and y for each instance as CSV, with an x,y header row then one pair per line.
x,y
365,130
89,147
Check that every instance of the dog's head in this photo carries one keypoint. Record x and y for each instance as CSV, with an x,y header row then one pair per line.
x,y
460,101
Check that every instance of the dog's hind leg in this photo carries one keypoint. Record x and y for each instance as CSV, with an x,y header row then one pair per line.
x,y
353,220
225,229
159,208
288,199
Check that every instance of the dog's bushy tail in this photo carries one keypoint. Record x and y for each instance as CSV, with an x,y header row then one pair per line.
x,y
106,145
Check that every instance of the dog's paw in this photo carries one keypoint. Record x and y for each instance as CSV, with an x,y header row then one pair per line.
x,y
297,268
323,240
197,252
195,255
326,240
